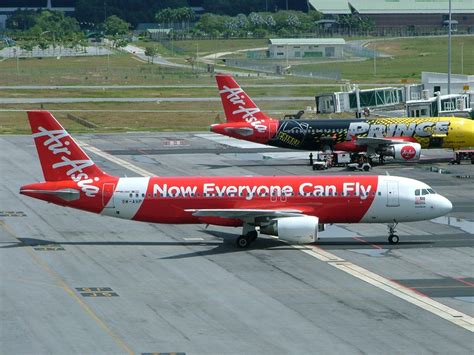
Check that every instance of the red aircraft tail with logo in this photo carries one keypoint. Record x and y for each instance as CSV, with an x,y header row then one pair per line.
x,y
238,106
60,156
72,178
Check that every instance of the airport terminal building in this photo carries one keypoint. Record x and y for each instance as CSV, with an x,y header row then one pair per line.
x,y
301,48
392,14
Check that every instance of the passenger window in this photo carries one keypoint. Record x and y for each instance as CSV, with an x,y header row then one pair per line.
x,y
417,192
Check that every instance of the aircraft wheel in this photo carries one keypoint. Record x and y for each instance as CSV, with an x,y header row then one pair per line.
x,y
393,239
243,241
366,167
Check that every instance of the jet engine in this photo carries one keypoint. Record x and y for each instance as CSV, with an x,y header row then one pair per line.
x,y
404,152
298,230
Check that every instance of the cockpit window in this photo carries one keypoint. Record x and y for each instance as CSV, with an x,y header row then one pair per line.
x,y
423,192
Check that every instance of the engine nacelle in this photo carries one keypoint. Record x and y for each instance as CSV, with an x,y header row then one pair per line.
x,y
298,230
404,152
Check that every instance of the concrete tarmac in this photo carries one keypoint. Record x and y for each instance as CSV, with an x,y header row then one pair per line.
x,y
74,282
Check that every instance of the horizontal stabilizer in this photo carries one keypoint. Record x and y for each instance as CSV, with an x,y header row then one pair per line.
x,y
64,194
242,131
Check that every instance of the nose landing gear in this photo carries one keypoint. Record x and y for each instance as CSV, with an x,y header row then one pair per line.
x,y
392,237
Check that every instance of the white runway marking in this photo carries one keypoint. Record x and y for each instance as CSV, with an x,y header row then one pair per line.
x,y
463,320
116,160
218,138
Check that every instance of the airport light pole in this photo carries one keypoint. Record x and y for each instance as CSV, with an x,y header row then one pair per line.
x,y
375,59
449,50
15,53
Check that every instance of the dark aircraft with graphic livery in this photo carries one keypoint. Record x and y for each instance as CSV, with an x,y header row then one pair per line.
x,y
400,138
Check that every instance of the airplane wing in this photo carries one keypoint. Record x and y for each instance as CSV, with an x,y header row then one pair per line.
x,y
378,141
244,214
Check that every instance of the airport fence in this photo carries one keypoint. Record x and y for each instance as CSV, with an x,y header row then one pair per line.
x,y
356,49
280,68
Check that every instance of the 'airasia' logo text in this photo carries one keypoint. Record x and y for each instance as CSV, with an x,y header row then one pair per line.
x,y
56,145
407,152
248,112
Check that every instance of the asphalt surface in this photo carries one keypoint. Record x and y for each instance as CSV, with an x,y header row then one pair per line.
x,y
187,86
74,282
63,100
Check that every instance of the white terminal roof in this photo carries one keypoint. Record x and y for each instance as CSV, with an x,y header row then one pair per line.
x,y
392,6
306,41
331,6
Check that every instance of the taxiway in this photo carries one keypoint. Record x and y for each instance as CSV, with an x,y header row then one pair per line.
x,y
74,282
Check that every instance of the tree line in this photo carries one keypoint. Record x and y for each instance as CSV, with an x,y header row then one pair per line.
x,y
45,29
140,11
52,29
256,24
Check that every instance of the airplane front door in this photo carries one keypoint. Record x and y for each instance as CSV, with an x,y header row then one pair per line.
x,y
392,194
108,195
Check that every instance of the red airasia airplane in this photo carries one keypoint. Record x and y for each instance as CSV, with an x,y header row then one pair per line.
x,y
399,138
294,208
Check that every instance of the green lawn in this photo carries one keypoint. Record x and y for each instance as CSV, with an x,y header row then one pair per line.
x,y
410,58
119,69
148,116
274,90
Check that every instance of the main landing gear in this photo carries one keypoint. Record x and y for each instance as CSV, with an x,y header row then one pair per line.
x,y
392,237
249,234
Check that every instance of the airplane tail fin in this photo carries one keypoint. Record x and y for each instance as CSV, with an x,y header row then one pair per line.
x,y
60,156
238,106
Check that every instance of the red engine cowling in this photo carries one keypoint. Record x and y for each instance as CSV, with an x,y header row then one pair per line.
x,y
405,152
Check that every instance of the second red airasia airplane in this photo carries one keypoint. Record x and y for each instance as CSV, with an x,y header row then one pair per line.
x,y
294,208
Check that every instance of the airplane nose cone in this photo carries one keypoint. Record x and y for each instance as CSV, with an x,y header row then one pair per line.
x,y
444,205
